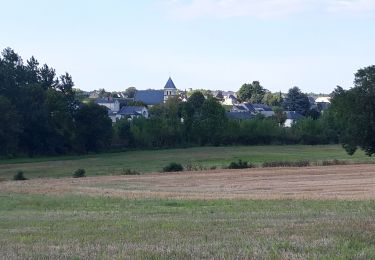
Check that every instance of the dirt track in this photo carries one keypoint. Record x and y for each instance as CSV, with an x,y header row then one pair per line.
x,y
353,182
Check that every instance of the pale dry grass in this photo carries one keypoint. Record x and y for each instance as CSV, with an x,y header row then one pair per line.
x,y
349,182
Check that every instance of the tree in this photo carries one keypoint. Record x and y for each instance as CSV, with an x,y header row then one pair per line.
x,y
196,100
130,92
93,128
253,93
211,124
123,134
354,113
273,99
297,101
280,115
9,127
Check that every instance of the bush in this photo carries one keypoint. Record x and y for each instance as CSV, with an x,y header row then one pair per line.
x,y
302,163
79,173
334,162
240,165
173,167
19,176
129,172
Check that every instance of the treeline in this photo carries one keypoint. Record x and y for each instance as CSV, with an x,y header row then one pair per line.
x,y
41,115
205,123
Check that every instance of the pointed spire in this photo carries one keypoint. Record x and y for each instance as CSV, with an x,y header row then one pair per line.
x,y
170,84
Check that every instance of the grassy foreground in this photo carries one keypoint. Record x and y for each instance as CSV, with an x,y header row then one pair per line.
x,y
41,227
154,161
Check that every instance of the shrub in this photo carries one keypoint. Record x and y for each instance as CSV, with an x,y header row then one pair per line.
x,y
129,172
173,167
240,165
302,163
79,173
19,176
333,162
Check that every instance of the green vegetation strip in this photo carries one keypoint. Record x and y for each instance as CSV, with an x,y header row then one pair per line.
x,y
154,161
98,227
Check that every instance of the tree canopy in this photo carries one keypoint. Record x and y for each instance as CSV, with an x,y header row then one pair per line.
x,y
39,111
296,101
253,92
354,112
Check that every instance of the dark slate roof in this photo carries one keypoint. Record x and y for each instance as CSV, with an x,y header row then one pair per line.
x,y
293,115
105,101
240,115
249,107
262,107
130,110
232,97
150,97
170,84
239,107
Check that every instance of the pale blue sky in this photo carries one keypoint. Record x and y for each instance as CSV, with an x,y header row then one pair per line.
x,y
212,44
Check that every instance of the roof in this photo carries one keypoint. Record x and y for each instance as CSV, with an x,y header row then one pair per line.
x,y
170,84
240,107
232,97
262,107
248,107
240,115
323,100
293,115
131,110
105,101
150,97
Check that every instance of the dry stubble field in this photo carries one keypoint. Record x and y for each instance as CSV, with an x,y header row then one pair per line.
x,y
324,212
349,182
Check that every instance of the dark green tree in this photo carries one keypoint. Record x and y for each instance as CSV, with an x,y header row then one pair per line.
x,y
196,100
93,128
10,127
253,93
210,126
354,112
296,101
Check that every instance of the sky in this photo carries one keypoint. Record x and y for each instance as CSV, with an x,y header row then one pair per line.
x,y
210,44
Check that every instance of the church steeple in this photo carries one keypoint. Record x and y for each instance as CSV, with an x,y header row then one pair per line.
x,y
170,84
170,89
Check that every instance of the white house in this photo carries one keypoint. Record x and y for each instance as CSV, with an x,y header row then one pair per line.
x,y
291,118
110,103
230,100
133,111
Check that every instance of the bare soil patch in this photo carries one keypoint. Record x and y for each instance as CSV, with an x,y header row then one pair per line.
x,y
349,182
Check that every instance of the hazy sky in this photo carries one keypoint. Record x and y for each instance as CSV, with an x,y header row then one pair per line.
x,y
211,44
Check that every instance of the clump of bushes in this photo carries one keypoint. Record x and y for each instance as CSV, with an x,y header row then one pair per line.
x,y
80,173
191,166
303,163
129,172
240,165
173,167
334,162
19,176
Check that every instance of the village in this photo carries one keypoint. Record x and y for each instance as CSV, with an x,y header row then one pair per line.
x,y
121,105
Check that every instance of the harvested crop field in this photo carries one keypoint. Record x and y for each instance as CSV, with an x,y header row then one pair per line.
x,y
349,182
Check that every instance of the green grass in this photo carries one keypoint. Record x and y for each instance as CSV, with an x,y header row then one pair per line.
x,y
154,161
41,227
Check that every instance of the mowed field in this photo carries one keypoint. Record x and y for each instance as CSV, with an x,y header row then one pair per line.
x,y
154,161
324,212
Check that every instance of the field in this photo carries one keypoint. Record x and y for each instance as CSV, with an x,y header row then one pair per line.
x,y
154,161
264,213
